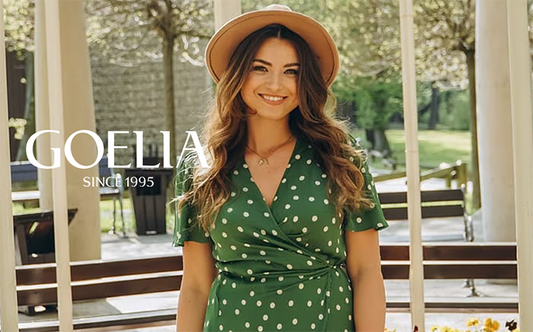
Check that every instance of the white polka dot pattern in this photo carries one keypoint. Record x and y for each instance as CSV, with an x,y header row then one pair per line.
x,y
281,267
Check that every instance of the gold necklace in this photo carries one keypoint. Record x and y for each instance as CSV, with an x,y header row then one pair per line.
x,y
264,160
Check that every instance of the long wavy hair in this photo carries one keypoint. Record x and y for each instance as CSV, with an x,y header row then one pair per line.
x,y
225,132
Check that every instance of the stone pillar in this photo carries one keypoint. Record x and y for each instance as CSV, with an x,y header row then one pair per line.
x,y
494,121
84,231
225,10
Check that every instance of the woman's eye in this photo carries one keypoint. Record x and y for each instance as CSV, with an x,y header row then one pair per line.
x,y
258,68
292,71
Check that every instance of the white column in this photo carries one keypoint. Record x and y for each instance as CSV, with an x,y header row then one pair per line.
x,y
8,291
416,272
84,231
494,121
59,183
78,103
225,10
42,109
520,74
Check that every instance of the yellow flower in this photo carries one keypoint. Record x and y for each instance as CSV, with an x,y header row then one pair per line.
x,y
434,328
446,329
473,322
491,325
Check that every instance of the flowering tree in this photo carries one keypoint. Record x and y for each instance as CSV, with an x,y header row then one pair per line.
x,y
19,31
122,31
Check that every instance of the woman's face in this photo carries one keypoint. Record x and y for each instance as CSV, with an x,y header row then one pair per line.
x,y
271,88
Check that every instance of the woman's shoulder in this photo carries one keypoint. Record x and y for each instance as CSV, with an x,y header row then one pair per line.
x,y
185,171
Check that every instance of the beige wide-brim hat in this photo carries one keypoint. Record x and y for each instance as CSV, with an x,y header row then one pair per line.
x,y
227,38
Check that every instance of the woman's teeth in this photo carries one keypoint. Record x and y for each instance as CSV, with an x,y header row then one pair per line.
x,y
272,98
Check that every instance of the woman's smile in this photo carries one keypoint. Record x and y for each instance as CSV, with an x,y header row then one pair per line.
x,y
272,100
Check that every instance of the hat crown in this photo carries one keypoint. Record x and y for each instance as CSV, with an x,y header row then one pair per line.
x,y
276,6
224,42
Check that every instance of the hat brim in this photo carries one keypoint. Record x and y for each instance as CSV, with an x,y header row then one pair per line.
x,y
227,38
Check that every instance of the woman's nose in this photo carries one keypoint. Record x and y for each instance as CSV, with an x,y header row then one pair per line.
x,y
275,81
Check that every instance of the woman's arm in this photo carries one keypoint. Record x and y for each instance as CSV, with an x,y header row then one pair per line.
x,y
363,264
199,271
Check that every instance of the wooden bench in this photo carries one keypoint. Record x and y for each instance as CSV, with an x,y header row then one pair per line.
x,y
446,203
34,242
27,172
102,279
93,280
455,261
34,238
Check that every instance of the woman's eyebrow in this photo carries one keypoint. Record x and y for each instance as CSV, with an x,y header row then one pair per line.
x,y
269,64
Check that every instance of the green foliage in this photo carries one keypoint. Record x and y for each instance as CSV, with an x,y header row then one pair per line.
x,y
376,101
455,110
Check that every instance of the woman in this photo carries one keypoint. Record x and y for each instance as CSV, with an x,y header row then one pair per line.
x,y
284,223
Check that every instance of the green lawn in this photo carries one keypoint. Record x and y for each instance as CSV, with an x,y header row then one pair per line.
x,y
434,147
106,216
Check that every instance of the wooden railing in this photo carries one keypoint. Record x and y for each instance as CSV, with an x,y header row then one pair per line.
x,y
457,172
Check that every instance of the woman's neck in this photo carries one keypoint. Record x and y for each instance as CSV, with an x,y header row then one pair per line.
x,y
264,135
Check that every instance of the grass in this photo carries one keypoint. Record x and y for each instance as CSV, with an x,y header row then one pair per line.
x,y
21,209
434,147
106,216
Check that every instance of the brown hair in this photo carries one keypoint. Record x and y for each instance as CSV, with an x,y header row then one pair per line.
x,y
225,131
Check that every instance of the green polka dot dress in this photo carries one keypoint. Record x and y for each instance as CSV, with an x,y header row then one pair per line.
x,y
281,268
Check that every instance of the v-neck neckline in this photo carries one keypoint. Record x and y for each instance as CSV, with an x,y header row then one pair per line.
x,y
284,176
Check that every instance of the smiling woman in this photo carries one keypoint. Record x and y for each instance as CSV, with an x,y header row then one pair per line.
x,y
280,234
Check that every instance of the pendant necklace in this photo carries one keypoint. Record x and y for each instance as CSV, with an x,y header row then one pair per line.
x,y
263,160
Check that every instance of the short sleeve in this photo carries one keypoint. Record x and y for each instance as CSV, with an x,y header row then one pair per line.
x,y
369,218
186,227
